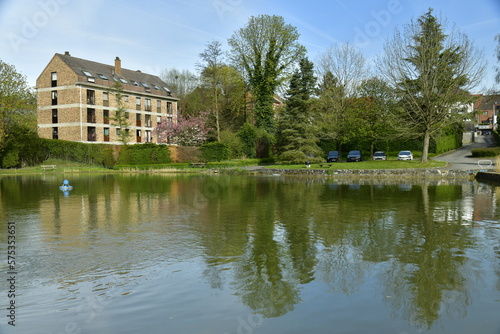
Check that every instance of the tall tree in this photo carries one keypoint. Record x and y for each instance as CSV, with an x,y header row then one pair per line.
x,y
120,119
297,140
497,52
432,71
380,102
17,102
341,69
212,57
266,50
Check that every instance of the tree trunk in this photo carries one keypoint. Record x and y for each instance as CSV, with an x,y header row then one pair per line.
x,y
425,149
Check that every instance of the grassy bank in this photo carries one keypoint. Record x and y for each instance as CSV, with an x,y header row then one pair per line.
x,y
64,166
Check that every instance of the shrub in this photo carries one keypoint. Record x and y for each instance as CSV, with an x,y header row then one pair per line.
x,y
248,137
144,154
214,152
485,152
233,143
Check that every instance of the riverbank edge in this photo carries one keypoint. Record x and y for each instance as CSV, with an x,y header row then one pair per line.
x,y
488,177
343,173
370,173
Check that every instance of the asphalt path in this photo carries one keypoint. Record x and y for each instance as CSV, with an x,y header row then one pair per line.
x,y
461,158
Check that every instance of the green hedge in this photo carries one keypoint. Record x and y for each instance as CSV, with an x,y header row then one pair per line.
x,y
489,152
214,152
144,154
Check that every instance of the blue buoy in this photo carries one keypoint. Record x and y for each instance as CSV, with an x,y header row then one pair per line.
x,y
65,186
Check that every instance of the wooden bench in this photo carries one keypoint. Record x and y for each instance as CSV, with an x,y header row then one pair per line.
x,y
44,167
198,164
329,165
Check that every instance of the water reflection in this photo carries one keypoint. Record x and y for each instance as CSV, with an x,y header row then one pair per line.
x,y
266,238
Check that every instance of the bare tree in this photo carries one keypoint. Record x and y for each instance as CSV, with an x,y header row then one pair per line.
x,y
346,64
341,69
211,69
432,73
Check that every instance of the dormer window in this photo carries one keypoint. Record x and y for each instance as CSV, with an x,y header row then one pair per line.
x,y
134,82
90,77
102,76
123,81
145,85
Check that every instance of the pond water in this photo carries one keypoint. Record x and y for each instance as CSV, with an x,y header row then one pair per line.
x,y
249,254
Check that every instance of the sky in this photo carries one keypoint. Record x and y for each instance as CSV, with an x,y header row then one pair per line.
x,y
154,35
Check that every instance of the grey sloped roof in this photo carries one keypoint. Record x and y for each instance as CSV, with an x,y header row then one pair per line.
x,y
130,76
487,102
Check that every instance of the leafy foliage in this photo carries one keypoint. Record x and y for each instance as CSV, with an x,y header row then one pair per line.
x,y
214,151
144,154
248,136
265,50
432,72
297,140
120,118
17,103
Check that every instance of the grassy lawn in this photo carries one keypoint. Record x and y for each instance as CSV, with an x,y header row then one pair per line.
x,y
388,164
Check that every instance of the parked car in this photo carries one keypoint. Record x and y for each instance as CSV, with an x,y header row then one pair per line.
x,y
354,155
333,156
379,155
405,155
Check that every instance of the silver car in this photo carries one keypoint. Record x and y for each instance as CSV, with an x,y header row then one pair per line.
x,y
379,155
405,155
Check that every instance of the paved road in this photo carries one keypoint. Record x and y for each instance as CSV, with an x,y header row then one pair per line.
x,y
461,159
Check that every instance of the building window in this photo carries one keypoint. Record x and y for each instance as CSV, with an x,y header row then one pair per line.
x,y
138,135
54,97
138,119
91,115
125,98
105,115
147,104
91,136
105,99
148,136
148,120
54,116
53,78
90,77
102,76
169,108
138,103
158,106
90,96
106,134
123,81
158,119
55,133
118,131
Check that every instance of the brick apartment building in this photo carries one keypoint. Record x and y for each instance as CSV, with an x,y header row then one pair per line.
x,y
77,101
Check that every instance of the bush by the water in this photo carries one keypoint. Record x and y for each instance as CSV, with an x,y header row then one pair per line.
x,y
144,154
214,152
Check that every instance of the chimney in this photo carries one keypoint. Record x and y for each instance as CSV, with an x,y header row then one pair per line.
x,y
66,53
118,66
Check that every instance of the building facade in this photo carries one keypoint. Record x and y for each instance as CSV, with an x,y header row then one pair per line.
x,y
78,100
487,108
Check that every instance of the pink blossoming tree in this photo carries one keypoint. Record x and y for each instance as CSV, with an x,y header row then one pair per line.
x,y
187,131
